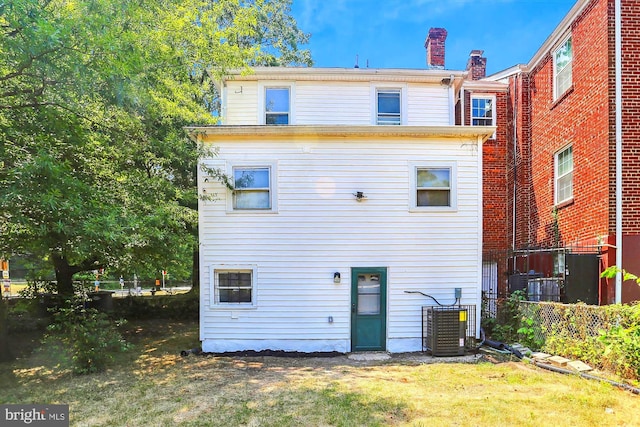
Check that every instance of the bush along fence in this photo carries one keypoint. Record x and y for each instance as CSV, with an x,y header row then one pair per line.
x,y
606,337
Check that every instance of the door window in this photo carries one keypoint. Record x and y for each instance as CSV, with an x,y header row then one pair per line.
x,y
368,294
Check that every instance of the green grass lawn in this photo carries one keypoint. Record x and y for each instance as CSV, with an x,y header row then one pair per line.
x,y
154,386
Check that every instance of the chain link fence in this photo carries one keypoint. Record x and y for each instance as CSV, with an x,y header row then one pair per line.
x,y
572,321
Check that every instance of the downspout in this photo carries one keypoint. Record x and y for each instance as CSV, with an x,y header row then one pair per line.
x,y
223,102
618,68
515,159
452,107
462,111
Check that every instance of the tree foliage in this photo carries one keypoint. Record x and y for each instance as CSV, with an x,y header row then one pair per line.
x,y
95,168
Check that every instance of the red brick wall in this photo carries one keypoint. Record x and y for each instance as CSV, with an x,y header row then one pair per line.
x,y
519,161
630,143
630,117
494,175
580,118
435,46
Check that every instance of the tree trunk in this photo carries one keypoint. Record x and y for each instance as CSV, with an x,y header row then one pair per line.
x,y
195,272
5,352
64,275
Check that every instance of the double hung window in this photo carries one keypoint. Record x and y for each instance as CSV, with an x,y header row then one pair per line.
x,y
482,111
277,105
563,175
388,107
433,187
252,188
562,68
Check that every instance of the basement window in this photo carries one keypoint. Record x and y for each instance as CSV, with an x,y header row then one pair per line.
x,y
233,285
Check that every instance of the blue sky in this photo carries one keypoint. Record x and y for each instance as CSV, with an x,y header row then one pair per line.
x,y
391,33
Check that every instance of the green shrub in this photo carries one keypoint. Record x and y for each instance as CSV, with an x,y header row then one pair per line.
x,y
622,342
82,339
175,307
505,327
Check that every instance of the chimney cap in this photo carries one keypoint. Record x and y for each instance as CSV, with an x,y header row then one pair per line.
x,y
437,32
476,52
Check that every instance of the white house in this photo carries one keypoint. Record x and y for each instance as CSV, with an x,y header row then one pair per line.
x,y
361,191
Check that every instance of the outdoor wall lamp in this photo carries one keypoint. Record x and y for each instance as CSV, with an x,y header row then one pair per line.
x,y
360,196
336,277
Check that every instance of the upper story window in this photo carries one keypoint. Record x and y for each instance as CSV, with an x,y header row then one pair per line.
x,y
562,70
252,188
388,107
482,113
277,105
563,175
433,186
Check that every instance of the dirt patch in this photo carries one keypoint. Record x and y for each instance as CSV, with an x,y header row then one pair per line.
x,y
272,353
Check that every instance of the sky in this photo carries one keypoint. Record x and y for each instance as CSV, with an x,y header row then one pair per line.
x,y
391,33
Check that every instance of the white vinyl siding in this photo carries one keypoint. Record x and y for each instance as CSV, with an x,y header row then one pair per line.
x,y
428,105
321,229
337,103
240,103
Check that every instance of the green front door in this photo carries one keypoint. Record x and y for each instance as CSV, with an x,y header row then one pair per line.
x,y
368,308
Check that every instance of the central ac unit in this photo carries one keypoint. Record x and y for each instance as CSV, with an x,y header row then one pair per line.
x,y
444,330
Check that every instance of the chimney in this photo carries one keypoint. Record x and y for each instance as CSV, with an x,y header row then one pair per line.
x,y
435,48
477,65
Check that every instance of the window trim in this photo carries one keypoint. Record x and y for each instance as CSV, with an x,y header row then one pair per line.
x,y
262,111
214,299
490,97
556,177
388,87
273,180
413,186
556,89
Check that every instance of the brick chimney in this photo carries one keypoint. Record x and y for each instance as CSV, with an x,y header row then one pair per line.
x,y
435,48
477,65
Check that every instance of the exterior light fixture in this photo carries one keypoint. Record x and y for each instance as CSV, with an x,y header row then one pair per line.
x,y
360,196
336,277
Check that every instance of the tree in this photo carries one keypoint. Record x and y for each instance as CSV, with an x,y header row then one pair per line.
x,y
96,170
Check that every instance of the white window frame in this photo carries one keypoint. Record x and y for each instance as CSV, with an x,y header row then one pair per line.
x,y
491,98
558,89
413,186
402,89
273,180
262,111
557,176
214,294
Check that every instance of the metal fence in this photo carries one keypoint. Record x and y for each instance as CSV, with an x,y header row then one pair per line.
x,y
573,321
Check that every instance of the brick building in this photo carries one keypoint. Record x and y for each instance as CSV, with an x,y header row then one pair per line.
x,y
566,213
